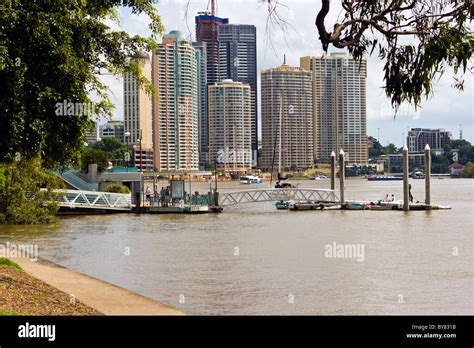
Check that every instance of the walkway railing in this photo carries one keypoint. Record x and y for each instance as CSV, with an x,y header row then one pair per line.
x,y
283,194
95,200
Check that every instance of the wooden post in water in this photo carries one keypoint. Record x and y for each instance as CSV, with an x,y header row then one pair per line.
x,y
333,171
406,198
427,175
341,175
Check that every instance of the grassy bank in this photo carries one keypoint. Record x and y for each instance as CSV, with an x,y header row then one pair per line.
x,y
22,294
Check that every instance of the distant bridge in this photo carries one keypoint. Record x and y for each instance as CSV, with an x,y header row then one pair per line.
x,y
277,194
93,201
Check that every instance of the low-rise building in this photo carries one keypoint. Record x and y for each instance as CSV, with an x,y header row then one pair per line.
x,y
394,163
113,129
455,169
436,138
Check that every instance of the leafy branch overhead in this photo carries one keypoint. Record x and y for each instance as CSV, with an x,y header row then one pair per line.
x,y
417,39
55,51
439,30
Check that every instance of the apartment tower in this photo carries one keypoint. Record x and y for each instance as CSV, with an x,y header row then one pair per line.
x,y
287,122
230,124
238,62
138,116
339,106
175,107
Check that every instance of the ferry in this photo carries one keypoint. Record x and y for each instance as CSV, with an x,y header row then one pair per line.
x,y
383,178
250,180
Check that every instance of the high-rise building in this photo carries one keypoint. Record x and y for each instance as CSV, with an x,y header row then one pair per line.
x,y
287,121
175,107
137,107
418,138
230,124
238,61
91,134
206,31
203,128
113,129
339,106
206,38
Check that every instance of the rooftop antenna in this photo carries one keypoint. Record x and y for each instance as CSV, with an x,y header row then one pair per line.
x,y
460,132
284,59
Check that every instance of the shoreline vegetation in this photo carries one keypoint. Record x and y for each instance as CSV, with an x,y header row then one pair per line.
x,y
23,294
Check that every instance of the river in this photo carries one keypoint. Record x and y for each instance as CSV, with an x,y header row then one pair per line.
x,y
253,259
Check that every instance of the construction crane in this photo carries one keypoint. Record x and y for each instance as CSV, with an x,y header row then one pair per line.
x,y
213,7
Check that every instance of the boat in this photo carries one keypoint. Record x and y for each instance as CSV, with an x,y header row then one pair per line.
x,y
312,205
355,206
250,180
282,205
384,207
383,178
418,175
319,177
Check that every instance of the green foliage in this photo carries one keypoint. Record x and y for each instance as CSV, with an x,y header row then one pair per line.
x,y
360,170
378,150
440,163
91,156
466,150
3,314
7,262
54,52
28,195
114,148
468,171
2,177
417,40
118,188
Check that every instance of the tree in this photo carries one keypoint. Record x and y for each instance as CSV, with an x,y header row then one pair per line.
x,y
117,188
28,194
390,149
114,148
468,171
51,56
376,150
464,148
91,156
417,39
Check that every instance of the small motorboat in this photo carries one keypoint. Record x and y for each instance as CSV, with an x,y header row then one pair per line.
x,y
312,205
355,206
250,180
418,175
320,177
282,205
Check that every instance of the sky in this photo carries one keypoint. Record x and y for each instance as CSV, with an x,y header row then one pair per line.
x,y
447,108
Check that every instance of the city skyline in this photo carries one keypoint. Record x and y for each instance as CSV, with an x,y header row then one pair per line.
x,y
302,40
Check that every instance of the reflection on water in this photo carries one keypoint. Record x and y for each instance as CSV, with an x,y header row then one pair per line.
x,y
253,259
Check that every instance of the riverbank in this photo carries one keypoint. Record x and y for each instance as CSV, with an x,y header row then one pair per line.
x,y
45,288
23,294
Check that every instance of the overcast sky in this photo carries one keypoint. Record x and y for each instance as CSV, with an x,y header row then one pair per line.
x,y
448,108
